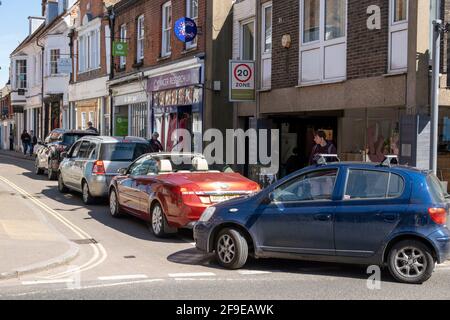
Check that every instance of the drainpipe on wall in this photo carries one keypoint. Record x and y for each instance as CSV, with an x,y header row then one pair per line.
x,y
112,22
42,131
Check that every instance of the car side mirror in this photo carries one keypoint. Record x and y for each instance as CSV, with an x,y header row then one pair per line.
x,y
123,171
268,199
64,155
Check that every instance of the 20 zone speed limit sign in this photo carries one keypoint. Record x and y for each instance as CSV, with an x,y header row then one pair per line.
x,y
242,80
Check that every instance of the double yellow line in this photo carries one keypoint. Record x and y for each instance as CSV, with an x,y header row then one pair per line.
x,y
100,253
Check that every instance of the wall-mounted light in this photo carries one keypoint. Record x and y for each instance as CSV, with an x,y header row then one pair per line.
x,y
286,41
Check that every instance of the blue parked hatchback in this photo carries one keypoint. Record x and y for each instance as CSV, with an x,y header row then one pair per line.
x,y
359,213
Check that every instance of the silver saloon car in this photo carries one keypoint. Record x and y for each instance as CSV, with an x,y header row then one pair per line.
x,y
89,166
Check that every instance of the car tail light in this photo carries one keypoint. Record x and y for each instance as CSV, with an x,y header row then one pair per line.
x,y
438,215
99,168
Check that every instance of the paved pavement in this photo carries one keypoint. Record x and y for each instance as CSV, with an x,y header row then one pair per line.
x,y
121,259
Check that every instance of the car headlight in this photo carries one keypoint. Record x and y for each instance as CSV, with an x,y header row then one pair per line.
x,y
207,215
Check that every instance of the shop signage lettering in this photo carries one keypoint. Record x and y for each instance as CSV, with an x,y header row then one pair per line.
x,y
174,80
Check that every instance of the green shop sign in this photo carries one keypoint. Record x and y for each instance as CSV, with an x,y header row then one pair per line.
x,y
121,126
120,49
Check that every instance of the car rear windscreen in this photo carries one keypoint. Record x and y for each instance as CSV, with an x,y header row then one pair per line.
x,y
124,152
70,139
436,189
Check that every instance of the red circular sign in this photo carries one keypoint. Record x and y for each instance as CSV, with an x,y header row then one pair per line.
x,y
242,75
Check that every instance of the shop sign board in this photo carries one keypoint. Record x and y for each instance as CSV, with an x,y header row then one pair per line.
x,y
121,126
173,80
185,29
120,49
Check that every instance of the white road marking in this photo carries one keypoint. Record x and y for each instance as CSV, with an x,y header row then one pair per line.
x,y
124,277
39,282
116,284
188,275
251,272
100,253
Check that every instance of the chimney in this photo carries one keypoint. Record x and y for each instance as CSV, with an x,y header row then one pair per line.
x,y
51,11
34,24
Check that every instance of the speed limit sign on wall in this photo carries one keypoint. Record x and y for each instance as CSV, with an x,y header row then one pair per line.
x,y
242,80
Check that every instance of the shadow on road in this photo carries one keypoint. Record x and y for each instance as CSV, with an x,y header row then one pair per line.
x,y
195,257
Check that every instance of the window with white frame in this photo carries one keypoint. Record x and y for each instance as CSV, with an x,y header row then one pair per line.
x,y
21,74
166,48
398,36
140,39
323,53
89,51
248,40
83,121
192,12
123,38
54,57
266,41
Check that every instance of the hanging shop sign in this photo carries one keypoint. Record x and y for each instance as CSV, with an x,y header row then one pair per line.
x,y
120,49
185,29
242,81
64,65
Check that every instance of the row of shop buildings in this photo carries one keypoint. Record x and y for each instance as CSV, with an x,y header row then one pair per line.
x,y
357,69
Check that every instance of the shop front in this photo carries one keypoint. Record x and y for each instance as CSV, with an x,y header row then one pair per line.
x,y
87,111
131,111
177,103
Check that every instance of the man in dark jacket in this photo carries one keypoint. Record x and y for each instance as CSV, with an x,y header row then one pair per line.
x,y
322,147
26,141
11,141
155,145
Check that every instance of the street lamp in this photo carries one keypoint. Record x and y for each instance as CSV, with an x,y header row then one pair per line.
x,y
438,28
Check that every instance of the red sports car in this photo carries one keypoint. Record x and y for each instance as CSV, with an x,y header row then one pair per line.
x,y
172,191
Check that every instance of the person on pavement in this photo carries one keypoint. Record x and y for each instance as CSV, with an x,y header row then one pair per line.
x,y
11,141
91,127
26,141
34,142
155,144
322,147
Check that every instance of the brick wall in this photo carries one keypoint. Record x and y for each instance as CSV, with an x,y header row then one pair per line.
x,y
152,11
367,50
285,61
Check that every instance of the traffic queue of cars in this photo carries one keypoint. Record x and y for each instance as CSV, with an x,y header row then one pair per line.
x,y
359,213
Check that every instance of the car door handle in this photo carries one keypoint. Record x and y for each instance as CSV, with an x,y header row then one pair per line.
x,y
322,217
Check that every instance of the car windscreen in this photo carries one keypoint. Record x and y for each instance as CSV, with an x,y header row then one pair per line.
x,y
70,139
436,189
123,151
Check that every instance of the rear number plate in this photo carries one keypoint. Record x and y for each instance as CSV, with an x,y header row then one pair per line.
x,y
217,199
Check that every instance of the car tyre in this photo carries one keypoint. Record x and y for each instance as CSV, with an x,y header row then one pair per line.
x,y
158,224
411,261
38,171
231,249
87,198
61,186
114,207
52,175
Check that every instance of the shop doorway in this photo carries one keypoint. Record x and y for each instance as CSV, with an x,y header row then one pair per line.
x,y
297,139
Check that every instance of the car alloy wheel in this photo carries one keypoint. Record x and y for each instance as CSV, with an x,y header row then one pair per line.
x,y
410,262
157,220
226,249
61,186
87,198
114,207
231,249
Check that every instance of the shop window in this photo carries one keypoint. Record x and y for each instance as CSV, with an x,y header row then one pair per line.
x,y
398,36
266,56
166,47
140,39
21,74
323,54
192,12
139,118
54,57
123,38
248,40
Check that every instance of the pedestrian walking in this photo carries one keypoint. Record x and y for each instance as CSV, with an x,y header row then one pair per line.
x,y
34,142
11,141
26,141
155,144
322,147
